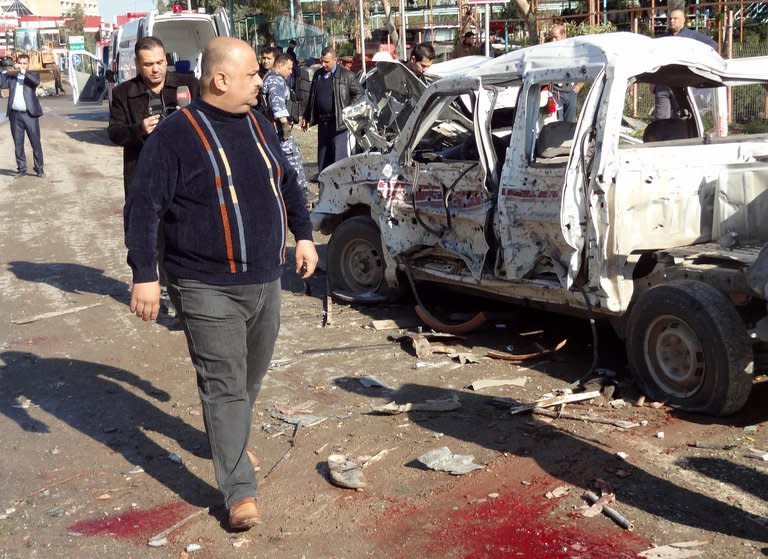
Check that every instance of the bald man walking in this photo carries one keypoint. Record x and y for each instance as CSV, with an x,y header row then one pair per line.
x,y
214,177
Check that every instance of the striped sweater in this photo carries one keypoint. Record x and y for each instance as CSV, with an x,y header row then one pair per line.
x,y
225,196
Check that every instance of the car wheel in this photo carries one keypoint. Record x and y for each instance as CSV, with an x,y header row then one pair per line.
x,y
355,258
688,347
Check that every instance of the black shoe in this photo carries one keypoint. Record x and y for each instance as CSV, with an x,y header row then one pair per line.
x,y
41,174
19,174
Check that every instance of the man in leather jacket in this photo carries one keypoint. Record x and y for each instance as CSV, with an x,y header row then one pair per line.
x,y
130,119
333,88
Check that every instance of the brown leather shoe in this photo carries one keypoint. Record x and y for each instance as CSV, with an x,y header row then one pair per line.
x,y
255,462
244,514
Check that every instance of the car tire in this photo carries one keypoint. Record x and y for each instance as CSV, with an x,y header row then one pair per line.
x,y
688,347
355,258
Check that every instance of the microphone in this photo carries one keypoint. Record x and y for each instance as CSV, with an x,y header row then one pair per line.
x,y
155,106
183,97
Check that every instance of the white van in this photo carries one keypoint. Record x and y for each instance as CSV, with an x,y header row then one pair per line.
x,y
184,35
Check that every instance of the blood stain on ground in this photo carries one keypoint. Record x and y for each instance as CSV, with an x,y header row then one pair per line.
x,y
509,527
134,524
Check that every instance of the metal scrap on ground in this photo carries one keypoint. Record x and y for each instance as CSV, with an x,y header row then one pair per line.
x,y
555,401
505,356
492,383
588,418
445,404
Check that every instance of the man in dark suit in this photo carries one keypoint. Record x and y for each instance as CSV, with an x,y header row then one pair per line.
x,y
139,104
24,112
333,88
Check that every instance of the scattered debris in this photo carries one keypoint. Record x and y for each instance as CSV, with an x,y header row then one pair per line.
x,y
7,513
400,323
606,510
492,383
22,402
56,512
46,488
53,314
337,349
422,343
346,472
240,542
680,550
660,435
367,297
464,358
327,305
275,363
505,356
442,459
371,382
555,401
712,446
622,455
299,414
617,404
368,460
757,454
175,458
558,492
750,429
287,453
621,423
445,404
160,539
193,547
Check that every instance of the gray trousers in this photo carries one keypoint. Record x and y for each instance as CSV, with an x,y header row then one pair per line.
x,y
231,333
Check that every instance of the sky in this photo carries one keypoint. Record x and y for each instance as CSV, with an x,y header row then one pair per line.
x,y
110,8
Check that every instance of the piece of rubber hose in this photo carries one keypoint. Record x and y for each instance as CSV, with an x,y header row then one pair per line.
x,y
472,324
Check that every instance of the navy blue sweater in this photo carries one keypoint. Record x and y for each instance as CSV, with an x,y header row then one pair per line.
x,y
221,189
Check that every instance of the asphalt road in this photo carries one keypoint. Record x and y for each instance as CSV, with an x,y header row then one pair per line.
x,y
104,447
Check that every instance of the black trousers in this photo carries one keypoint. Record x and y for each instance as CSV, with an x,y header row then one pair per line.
x,y
23,123
331,145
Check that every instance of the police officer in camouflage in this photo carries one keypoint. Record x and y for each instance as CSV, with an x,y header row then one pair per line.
x,y
283,109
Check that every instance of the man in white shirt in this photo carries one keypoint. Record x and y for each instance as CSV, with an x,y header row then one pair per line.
x,y
24,112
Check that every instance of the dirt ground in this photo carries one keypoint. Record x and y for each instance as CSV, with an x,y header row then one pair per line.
x,y
104,448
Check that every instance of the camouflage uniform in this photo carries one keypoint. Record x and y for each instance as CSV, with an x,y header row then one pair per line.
x,y
276,93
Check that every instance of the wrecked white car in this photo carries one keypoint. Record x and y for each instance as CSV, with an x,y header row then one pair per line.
x,y
656,226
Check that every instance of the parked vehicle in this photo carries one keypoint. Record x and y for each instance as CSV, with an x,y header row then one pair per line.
x,y
184,35
655,226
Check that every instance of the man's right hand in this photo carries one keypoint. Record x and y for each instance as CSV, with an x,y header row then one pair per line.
x,y
149,124
304,124
145,300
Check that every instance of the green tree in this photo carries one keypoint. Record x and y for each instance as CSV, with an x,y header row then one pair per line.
x,y
74,24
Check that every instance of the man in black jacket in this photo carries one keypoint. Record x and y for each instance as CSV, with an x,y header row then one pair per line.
x,y
24,112
139,104
333,88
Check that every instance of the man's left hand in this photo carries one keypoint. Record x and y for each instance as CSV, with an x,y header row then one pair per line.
x,y
306,258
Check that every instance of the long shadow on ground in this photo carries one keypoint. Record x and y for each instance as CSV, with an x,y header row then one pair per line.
x,y
105,404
